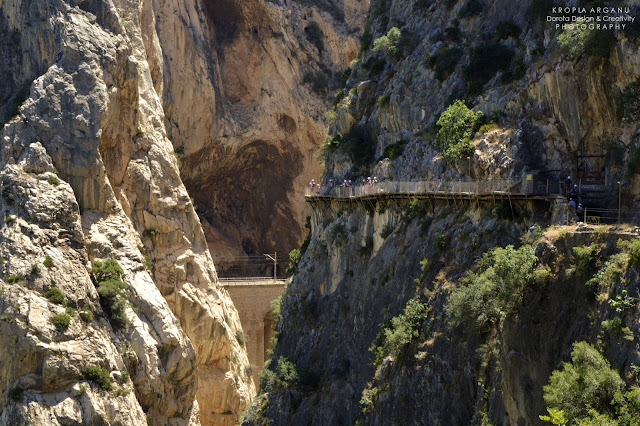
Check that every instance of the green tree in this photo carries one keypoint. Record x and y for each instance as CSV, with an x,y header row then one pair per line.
x,y
55,295
315,35
456,128
585,387
574,38
585,260
628,406
485,60
61,321
580,38
112,290
401,331
633,248
294,259
284,377
388,43
555,417
287,372
496,290
445,61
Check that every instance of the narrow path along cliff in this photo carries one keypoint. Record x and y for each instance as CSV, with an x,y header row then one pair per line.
x,y
419,299
456,184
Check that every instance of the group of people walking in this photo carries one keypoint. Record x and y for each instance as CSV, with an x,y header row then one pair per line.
x,y
346,183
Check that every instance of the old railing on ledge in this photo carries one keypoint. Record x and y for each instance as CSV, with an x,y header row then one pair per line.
x,y
470,188
251,281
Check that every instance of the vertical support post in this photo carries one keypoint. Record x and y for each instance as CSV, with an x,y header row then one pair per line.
x,y
619,199
585,215
275,262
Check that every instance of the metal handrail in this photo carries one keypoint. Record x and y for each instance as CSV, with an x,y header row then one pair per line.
x,y
251,279
240,281
469,187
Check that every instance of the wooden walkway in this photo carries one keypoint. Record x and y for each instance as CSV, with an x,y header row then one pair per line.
x,y
488,190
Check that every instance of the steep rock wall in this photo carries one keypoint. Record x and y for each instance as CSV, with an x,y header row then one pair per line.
x,y
559,105
93,117
364,262
347,290
237,81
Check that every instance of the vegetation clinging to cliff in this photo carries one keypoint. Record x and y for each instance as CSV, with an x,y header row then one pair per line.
x,y
294,258
445,61
112,290
496,290
315,35
485,60
581,39
55,295
61,321
456,128
388,43
284,376
588,391
99,375
400,331
630,102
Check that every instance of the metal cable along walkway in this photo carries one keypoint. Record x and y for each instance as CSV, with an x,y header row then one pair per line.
x,y
480,190
251,281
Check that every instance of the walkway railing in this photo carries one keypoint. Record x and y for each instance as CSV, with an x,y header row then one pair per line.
x,y
248,281
252,266
470,187
600,216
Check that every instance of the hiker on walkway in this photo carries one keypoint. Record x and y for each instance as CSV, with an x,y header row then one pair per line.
x,y
567,185
580,211
571,212
574,192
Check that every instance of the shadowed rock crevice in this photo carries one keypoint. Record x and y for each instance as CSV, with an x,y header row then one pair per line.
x,y
17,74
230,18
252,199
243,89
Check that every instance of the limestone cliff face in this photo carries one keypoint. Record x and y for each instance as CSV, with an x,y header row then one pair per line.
x,y
363,265
365,261
88,173
548,105
245,85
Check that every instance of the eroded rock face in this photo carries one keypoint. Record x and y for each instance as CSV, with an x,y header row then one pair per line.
x,y
88,173
242,112
558,107
364,263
